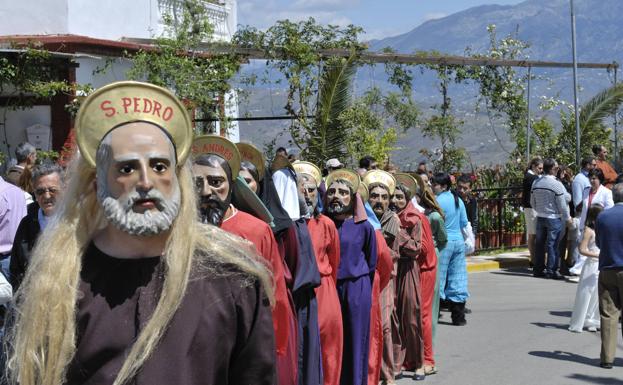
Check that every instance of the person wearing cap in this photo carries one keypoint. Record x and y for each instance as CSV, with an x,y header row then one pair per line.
x,y
326,243
358,256
333,164
216,165
409,303
381,187
143,282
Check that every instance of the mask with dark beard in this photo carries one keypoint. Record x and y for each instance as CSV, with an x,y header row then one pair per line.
x,y
394,208
336,207
378,209
212,210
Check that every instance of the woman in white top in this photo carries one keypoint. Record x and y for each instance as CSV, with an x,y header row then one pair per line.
x,y
597,193
586,309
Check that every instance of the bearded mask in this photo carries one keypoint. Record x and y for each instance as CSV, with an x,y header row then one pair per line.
x,y
129,178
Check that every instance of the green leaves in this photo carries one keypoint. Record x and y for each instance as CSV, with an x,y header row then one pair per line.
x,y
602,105
201,81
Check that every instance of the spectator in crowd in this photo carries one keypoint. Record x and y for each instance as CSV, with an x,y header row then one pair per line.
x,y
601,153
12,210
565,177
535,169
580,182
549,200
281,151
333,164
368,162
464,189
609,240
422,168
26,155
48,185
585,309
597,193
452,266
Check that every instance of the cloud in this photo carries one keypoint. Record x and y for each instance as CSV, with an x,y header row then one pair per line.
x,y
324,5
433,16
264,14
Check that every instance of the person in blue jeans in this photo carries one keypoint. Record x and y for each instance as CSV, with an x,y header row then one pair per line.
x,y
452,268
550,200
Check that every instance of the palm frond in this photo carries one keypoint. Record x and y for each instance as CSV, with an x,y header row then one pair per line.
x,y
602,105
328,139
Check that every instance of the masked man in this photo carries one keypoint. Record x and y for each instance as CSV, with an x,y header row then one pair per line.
x,y
216,164
125,282
427,264
410,354
381,185
358,255
326,243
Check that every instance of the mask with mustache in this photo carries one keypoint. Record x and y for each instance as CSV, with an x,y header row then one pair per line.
x,y
120,213
335,207
212,210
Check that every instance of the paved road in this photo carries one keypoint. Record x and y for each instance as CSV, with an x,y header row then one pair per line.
x,y
517,334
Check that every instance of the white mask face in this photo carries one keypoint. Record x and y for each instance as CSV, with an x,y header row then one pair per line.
x,y
137,184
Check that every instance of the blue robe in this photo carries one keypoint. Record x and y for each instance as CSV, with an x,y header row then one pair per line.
x,y
355,276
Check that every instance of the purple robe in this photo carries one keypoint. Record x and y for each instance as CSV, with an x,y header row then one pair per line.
x,y
354,286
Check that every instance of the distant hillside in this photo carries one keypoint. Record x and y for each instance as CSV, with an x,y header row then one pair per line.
x,y
545,25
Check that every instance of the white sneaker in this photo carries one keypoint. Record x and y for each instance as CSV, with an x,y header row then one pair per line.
x,y
575,330
574,279
592,329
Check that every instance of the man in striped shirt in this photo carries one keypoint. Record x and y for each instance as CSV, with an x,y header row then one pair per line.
x,y
549,199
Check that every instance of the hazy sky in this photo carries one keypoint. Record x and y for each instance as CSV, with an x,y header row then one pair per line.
x,y
379,18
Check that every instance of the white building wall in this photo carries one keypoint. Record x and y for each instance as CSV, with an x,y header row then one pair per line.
x,y
33,17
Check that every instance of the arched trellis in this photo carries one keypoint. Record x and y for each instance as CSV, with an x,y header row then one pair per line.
x,y
378,57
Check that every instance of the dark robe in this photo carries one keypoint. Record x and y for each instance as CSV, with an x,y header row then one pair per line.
x,y
306,280
221,334
25,238
358,255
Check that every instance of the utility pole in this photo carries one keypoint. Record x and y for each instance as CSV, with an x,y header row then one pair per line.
x,y
575,89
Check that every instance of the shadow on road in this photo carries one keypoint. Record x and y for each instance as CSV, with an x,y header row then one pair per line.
x,y
520,272
595,379
566,356
550,325
565,313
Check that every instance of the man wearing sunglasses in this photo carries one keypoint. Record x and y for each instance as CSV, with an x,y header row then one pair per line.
x,y
47,180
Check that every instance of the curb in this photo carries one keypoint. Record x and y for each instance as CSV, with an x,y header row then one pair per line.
x,y
480,263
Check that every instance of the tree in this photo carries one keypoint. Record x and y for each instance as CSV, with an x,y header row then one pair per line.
x,y
317,87
177,63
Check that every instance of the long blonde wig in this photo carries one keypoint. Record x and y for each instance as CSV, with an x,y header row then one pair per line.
x,y
41,341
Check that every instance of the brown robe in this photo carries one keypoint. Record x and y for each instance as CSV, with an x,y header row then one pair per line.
x,y
222,332
410,354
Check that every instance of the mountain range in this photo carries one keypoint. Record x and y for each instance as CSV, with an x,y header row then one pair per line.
x,y
545,25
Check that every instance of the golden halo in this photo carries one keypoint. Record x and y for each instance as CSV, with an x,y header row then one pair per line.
x,y
303,167
381,177
348,175
126,102
218,145
251,154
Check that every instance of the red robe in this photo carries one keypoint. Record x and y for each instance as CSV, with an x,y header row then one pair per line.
x,y
326,244
260,234
384,267
428,277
